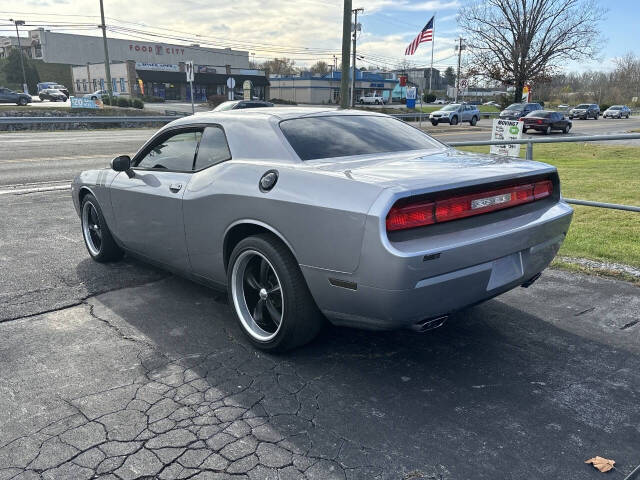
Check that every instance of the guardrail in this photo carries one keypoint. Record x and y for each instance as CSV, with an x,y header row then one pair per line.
x,y
86,119
590,138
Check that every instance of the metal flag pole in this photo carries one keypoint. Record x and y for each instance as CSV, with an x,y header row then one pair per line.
x,y
433,40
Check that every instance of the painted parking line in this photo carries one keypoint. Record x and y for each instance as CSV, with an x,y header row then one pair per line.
x,y
23,191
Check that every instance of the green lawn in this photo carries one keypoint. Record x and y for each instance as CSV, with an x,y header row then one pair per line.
x,y
601,173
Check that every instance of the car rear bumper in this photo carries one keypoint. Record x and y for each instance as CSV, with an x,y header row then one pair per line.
x,y
418,287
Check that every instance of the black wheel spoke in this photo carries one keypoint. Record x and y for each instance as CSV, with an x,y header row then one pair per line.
x,y
258,311
252,282
264,271
274,314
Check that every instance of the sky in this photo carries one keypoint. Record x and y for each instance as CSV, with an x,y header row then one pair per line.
x,y
305,30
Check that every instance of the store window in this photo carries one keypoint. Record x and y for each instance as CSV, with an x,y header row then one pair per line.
x,y
102,84
123,85
114,85
77,85
95,84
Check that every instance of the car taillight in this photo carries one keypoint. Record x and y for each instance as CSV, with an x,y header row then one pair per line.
x,y
521,119
539,122
403,215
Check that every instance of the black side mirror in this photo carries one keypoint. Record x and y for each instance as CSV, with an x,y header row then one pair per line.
x,y
122,164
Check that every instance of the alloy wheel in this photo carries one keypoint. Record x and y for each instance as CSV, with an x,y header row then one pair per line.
x,y
91,229
257,295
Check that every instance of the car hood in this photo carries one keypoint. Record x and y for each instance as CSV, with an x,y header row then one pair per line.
x,y
511,113
443,112
427,171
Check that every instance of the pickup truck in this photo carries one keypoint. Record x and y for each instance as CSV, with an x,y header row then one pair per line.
x,y
372,99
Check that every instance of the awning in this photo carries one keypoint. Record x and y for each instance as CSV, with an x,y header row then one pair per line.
x,y
200,78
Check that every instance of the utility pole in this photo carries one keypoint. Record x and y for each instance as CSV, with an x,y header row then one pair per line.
x,y
346,46
107,67
355,33
25,87
459,47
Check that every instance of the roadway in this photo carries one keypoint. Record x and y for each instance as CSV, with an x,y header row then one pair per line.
x,y
43,158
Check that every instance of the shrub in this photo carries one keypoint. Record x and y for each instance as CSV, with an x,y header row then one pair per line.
x,y
137,103
215,100
429,98
123,102
603,107
106,100
280,101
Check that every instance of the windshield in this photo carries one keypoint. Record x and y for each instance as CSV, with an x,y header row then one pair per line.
x,y
225,106
345,135
450,108
515,106
615,107
583,106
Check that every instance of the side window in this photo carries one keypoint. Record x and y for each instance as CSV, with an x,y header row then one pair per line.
x,y
173,153
213,148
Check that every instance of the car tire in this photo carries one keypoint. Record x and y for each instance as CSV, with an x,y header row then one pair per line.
x,y
566,129
94,98
377,102
260,266
95,232
524,130
547,131
22,102
434,123
454,121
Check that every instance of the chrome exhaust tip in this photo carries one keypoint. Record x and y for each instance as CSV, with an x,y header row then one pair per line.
x,y
429,324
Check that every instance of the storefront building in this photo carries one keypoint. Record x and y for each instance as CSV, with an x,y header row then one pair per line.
x,y
167,81
325,89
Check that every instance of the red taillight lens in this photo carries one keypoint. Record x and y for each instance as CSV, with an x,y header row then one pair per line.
x,y
539,122
411,215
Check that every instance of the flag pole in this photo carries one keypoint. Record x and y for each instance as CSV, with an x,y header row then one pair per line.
x,y
433,40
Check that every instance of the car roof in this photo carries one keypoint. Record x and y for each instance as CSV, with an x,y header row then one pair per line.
x,y
283,113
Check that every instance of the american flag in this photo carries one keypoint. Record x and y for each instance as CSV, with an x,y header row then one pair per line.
x,y
426,35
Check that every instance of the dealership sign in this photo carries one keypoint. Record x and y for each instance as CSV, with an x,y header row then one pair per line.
x,y
161,67
506,130
84,102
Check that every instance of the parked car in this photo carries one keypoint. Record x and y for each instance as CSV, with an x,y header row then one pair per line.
x,y
519,110
371,99
308,214
617,111
563,107
241,104
98,94
440,101
585,111
9,96
545,121
492,103
454,113
52,95
46,85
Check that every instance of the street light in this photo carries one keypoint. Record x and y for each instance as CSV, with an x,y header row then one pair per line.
x,y
25,88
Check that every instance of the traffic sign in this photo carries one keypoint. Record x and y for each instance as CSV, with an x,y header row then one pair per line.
x,y
231,82
188,68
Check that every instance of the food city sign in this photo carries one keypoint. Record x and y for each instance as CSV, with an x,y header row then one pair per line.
x,y
155,49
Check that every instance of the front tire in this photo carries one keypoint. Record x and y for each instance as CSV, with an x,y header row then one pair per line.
x,y
434,123
270,296
473,121
454,121
97,236
566,129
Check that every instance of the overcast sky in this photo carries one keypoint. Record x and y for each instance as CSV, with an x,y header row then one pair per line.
x,y
306,30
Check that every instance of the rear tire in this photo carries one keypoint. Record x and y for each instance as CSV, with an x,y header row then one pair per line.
x,y
22,102
97,236
270,296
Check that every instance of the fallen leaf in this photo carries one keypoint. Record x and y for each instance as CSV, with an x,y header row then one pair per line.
x,y
602,464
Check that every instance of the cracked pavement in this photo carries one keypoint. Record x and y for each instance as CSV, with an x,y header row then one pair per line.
x,y
122,371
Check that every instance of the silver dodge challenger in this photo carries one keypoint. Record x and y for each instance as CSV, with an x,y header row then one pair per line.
x,y
307,214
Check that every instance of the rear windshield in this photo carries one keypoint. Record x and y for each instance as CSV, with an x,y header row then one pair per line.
x,y
539,114
344,135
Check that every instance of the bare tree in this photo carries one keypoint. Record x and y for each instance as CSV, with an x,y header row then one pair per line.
x,y
280,66
319,67
519,41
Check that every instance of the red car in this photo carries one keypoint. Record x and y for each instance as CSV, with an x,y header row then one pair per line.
x,y
545,121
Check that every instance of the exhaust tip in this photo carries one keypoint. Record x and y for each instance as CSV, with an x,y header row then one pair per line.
x,y
530,282
429,324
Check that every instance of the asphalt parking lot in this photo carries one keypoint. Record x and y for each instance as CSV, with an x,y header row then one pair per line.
x,y
125,371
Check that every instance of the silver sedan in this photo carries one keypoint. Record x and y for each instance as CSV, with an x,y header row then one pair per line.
x,y
310,214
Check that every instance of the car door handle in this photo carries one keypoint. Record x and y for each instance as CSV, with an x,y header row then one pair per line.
x,y
175,187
